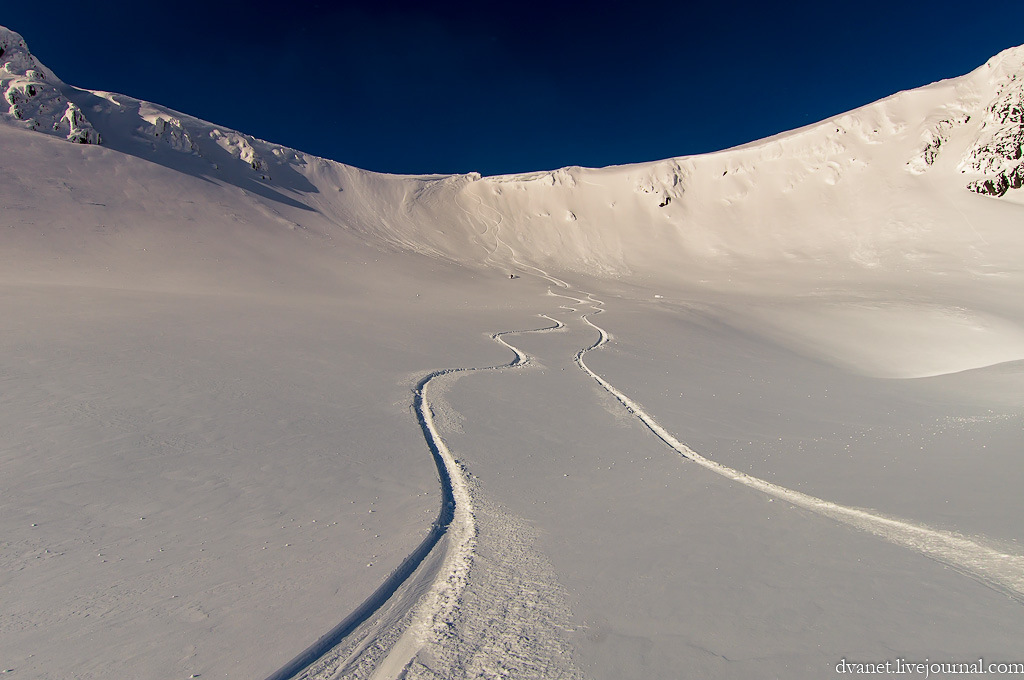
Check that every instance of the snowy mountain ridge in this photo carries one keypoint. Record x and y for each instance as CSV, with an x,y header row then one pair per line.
x,y
712,211
42,102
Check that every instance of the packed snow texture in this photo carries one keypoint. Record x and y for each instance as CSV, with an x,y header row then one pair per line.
x,y
771,417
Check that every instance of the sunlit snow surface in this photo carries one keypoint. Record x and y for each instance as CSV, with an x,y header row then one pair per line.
x,y
226,365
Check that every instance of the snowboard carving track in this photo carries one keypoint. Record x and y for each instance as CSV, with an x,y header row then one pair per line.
x,y
455,521
1003,572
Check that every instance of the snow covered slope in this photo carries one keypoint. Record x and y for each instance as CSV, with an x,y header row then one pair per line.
x,y
229,367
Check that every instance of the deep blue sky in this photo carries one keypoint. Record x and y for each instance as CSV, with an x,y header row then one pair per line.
x,y
511,86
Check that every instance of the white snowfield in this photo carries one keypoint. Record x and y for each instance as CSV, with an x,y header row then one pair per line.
x,y
737,415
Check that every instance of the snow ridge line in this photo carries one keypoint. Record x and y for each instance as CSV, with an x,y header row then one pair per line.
x,y
1003,572
456,506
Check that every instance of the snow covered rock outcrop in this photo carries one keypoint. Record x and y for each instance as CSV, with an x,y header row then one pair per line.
x,y
240,147
167,129
665,184
35,96
933,139
37,99
997,152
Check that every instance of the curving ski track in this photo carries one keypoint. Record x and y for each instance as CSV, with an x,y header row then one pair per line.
x,y
1003,572
1000,571
456,508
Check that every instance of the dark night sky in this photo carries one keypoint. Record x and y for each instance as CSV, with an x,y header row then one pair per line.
x,y
514,86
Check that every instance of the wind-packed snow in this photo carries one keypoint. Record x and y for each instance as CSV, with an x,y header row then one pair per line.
x,y
736,415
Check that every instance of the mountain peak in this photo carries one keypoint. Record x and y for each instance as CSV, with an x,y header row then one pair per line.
x,y
15,57
35,96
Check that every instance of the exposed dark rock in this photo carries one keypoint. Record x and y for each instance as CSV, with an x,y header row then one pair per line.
x,y
996,186
999,150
